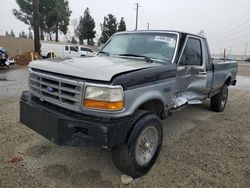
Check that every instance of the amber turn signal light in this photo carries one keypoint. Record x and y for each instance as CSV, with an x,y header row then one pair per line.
x,y
103,105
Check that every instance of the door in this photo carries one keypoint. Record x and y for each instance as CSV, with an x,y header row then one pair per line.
x,y
66,51
191,71
73,51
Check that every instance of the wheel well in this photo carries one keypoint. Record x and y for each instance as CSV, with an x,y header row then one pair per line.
x,y
228,81
155,106
51,54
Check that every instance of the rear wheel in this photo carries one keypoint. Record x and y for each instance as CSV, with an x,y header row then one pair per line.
x,y
219,101
138,155
51,55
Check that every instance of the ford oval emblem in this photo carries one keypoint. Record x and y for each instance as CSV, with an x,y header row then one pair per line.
x,y
50,89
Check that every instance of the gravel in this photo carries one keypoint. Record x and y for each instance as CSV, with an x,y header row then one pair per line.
x,y
200,148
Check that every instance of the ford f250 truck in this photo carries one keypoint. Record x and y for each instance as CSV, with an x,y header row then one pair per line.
x,y
116,99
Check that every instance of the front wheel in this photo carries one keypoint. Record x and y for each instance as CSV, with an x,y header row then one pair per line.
x,y
219,101
138,155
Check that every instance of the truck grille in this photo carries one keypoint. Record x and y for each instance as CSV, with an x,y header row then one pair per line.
x,y
56,89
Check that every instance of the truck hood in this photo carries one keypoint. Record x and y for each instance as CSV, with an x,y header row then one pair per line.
x,y
95,68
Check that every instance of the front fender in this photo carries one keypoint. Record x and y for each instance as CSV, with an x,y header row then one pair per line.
x,y
162,91
132,106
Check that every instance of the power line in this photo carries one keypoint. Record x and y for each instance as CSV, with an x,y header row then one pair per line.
x,y
238,32
245,53
129,4
220,38
146,17
144,14
237,20
234,27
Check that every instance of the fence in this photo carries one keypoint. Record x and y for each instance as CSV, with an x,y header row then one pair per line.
x,y
16,46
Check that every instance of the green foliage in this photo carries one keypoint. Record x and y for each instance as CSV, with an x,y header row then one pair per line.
x,y
109,27
12,34
91,42
122,25
73,40
25,12
53,15
85,28
23,35
56,17
7,34
30,35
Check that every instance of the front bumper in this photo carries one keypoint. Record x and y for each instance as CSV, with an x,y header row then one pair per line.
x,y
64,127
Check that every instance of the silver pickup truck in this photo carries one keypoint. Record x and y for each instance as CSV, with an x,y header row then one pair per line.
x,y
116,99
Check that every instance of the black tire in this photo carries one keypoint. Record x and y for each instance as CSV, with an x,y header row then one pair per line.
x,y
51,55
219,101
124,156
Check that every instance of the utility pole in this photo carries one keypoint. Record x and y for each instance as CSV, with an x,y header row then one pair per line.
x,y
225,54
245,53
148,26
231,48
136,21
35,6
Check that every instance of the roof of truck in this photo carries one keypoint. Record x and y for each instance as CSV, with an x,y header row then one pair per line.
x,y
180,32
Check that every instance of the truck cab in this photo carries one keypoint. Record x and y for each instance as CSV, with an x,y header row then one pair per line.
x,y
85,51
71,51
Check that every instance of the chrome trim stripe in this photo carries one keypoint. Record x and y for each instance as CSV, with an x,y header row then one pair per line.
x,y
60,98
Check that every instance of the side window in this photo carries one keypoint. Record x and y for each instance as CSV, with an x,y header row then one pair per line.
x,y
207,54
86,49
89,50
72,48
192,54
66,48
83,49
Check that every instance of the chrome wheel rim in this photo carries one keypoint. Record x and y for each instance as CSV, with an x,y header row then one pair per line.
x,y
146,145
224,98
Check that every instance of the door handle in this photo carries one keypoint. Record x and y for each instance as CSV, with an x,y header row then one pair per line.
x,y
202,72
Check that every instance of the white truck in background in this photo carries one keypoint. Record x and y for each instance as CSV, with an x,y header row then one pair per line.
x,y
50,50
85,51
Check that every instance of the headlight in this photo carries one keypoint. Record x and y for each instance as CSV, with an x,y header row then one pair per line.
x,y
3,56
103,98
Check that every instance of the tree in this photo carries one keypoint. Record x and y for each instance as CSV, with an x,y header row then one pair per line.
x,y
7,34
23,35
109,27
73,40
85,28
36,24
53,15
30,35
12,34
201,33
122,25
59,19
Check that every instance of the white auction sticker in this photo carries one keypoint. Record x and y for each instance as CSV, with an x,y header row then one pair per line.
x,y
164,39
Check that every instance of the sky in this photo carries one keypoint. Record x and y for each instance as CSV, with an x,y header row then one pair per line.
x,y
226,23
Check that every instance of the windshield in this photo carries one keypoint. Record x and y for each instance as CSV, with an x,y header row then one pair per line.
x,y
3,50
157,46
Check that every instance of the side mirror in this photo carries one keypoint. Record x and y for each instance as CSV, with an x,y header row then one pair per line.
x,y
100,47
211,60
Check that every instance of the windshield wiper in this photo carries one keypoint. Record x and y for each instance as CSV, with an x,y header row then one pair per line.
x,y
147,59
105,53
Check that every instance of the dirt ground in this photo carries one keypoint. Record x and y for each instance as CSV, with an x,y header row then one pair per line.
x,y
200,148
